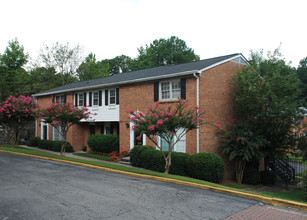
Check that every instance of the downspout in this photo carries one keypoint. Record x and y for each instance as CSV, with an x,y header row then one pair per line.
x,y
197,75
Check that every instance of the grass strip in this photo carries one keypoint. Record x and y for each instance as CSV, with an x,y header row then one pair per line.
x,y
95,156
296,195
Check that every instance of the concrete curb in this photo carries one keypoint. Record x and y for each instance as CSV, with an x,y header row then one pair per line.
x,y
274,201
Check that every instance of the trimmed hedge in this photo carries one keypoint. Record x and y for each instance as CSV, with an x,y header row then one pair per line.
x,y
179,163
268,177
251,176
206,166
135,155
33,142
105,143
304,179
152,159
54,145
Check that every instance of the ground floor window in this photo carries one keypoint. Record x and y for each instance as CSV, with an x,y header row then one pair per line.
x,y
57,133
180,144
44,130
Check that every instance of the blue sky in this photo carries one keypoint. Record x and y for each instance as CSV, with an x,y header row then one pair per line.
x,y
112,28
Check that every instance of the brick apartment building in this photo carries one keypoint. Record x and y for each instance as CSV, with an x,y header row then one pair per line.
x,y
206,83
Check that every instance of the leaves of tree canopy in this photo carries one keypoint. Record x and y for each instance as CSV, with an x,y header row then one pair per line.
x,y
12,74
164,52
265,97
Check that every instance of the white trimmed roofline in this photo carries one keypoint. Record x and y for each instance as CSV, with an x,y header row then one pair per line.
x,y
190,72
224,61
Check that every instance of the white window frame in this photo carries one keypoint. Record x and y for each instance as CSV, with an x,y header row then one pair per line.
x,y
183,139
59,97
93,102
112,96
61,138
171,91
81,99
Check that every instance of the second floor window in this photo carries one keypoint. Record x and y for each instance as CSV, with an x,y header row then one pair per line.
x,y
170,90
95,98
112,96
81,100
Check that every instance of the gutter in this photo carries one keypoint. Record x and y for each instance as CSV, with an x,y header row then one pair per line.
x,y
118,83
197,75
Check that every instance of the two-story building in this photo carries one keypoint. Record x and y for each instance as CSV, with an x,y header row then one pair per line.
x,y
205,83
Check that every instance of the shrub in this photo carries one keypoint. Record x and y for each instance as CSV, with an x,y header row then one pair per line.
x,y
54,145
84,148
152,159
105,143
268,177
33,142
206,166
251,176
135,154
304,179
179,163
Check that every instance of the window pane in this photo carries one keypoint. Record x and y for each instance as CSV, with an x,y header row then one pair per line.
x,y
165,86
112,96
176,89
81,99
112,100
166,95
95,98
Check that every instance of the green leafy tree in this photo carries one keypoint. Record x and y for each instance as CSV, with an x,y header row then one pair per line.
x,y
164,52
41,79
119,64
91,69
302,75
242,145
64,115
265,98
15,112
167,122
12,74
63,59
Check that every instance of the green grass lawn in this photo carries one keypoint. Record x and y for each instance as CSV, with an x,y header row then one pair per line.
x,y
95,156
295,195
237,186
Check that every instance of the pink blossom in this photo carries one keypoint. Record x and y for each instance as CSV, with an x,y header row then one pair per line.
x,y
133,119
150,107
141,114
159,122
130,111
120,121
239,138
138,138
232,121
218,126
170,114
186,104
196,107
151,128
133,127
166,119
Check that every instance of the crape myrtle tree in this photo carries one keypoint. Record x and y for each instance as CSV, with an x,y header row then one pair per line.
x,y
15,112
62,116
167,122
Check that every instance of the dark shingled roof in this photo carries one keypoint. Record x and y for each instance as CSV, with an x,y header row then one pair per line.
x,y
139,75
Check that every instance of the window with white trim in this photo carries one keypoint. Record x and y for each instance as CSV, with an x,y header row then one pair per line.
x,y
81,99
112,97
170,90
57,133
180,144
95,98
60,98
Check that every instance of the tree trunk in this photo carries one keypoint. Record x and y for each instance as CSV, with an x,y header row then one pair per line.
x,y
63,143
168,158
240,165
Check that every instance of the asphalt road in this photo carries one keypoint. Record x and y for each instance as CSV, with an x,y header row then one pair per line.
x,y
32,188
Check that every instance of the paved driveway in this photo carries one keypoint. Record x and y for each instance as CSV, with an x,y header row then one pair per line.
x,y
32,188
